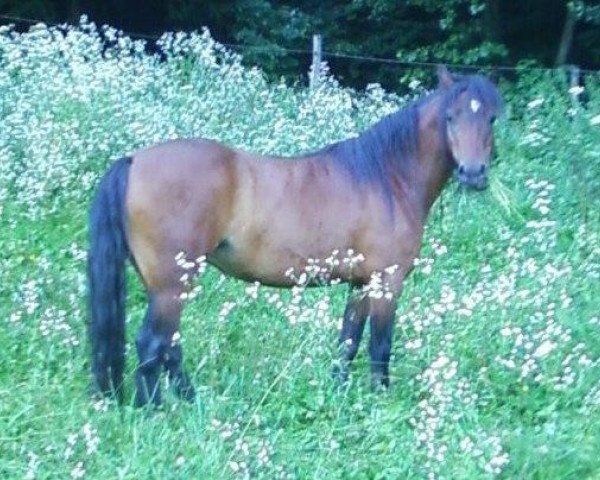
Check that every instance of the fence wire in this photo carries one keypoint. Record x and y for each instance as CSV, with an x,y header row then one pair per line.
x,y
327,54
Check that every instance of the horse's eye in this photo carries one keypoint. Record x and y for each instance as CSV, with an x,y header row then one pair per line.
x,y
449,118
492,119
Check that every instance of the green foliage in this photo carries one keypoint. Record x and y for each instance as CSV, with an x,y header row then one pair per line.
x,y
585,11
464,35
588,17
462,32
457,32
496,368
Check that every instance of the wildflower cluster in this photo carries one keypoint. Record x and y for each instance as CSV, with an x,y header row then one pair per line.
x,y
191,270
83,443
528,296
79,96
250,457
448,400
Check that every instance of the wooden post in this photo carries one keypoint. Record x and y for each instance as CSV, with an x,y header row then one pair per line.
x,y
315,69
574,78
567,37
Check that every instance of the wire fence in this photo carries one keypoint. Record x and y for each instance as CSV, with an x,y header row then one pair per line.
x,y
329,54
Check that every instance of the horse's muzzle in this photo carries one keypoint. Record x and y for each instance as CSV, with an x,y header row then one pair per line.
x,y
476,179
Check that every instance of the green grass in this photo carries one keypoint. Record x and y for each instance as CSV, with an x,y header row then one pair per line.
x,y
495,368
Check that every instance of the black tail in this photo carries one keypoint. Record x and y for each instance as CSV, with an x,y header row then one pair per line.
x,y
106,277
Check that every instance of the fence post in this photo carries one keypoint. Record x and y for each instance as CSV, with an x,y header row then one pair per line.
x,y
574,78
317,51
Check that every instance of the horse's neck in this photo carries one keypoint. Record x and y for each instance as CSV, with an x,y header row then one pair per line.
x,y
431,167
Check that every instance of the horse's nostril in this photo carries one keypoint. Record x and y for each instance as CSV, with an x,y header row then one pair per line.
x,y
461,170
482,170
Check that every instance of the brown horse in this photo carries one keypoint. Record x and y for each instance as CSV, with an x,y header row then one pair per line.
x,y
256,217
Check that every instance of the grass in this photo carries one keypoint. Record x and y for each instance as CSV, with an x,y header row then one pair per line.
x,y
495,369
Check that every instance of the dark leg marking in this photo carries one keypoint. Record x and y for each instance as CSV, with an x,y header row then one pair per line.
x,y
150,348
177,375
353,326
380,345
156,348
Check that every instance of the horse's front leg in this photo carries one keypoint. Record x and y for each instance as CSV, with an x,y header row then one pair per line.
x,y
355,316
380,344
382,313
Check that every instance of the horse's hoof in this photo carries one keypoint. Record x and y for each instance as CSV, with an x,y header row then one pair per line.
x,y
142,398
339,375
379,383
186,393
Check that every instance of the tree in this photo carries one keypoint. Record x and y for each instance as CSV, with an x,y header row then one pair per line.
x,y
587,36
465,32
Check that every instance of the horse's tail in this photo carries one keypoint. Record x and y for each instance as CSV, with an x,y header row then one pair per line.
x,y
106,277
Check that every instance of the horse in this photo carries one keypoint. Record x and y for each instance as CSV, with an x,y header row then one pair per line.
x,y
256,217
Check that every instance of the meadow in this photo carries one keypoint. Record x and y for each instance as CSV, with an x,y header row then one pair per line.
x,y
496,360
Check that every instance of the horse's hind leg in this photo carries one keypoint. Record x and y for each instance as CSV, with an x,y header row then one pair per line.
x,y
157,346
355,315
152,343
176,374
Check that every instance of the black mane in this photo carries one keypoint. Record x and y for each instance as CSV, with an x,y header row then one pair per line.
x,y
387,144
393,141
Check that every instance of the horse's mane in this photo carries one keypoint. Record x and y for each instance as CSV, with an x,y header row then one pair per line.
x,y
393,141
387,144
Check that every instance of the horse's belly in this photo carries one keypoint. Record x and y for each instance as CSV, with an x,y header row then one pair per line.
x,y
249,269
282,264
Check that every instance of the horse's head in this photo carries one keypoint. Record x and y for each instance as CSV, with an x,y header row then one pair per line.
x,y
470,106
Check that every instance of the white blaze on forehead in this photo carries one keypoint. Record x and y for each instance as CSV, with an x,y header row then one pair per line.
x,y
475,105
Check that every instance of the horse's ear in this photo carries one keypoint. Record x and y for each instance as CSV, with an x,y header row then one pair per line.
x,y
444,77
